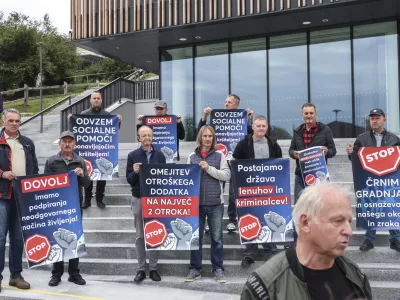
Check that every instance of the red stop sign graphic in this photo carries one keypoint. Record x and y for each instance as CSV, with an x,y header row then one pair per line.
x,y
310,179
89,166
37,248
249,227
155,233
222,148
380,160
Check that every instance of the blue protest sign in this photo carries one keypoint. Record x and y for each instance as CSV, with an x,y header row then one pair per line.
x,y
170,206
51,221
165,137
97,143
262,194
377,187
313,166
230,127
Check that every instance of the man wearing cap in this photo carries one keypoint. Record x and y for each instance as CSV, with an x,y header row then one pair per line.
x,y
232,101
96,110
17,158
161,109
66,160
376,137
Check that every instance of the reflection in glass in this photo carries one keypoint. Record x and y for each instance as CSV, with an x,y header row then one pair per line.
x,y
211,77
177,85
376,74
249,74
330,79
288,83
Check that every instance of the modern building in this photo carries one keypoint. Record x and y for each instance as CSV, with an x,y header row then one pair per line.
x,y
341,55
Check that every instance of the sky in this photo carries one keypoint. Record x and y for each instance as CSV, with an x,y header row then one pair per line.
x,y
58,11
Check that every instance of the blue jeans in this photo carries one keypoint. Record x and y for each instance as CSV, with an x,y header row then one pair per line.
x,y
298,188
214,216
371,234
9,222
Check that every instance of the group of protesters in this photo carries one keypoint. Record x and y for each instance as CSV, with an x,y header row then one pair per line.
x,y
322,215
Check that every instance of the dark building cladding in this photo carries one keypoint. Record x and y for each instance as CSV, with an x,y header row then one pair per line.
x,y
343,56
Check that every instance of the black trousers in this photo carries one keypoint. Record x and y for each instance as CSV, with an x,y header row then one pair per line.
x,y
58,268
232,205
100,188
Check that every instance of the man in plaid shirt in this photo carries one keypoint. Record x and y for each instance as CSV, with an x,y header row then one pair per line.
x,y
310,134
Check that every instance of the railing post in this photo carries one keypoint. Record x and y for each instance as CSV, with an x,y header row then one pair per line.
x,y
97,82
65,88
26,94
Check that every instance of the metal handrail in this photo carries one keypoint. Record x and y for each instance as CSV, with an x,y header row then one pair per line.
x,y
46,110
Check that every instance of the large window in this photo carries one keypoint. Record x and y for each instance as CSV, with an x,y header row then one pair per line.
x,y
330,79
287,83
211,77
249,74
376,73
177,85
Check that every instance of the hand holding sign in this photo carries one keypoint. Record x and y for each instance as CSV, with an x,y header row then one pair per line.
x,y
277,224
67,241
325,150
204,165
136,167
349,149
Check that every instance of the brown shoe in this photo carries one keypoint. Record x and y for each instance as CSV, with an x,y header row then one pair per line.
x,y
19,283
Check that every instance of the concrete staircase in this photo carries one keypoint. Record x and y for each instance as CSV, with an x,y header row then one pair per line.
x,y
110,237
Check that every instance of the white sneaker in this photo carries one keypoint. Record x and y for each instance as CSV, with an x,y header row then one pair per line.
x,y
231,227
207,229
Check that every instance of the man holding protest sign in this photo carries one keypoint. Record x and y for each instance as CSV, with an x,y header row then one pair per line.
x,y
96,110
144,155
257,145
232,101
161,109
215,172
17,158
316,268
66,160
307,135
376,137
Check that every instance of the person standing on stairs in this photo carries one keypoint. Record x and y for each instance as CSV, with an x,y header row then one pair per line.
x,y
376,137
215,171
17,158
257,145
66,160
96,110
143,155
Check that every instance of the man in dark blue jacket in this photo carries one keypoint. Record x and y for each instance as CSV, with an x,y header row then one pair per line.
x,y
144,155
17,158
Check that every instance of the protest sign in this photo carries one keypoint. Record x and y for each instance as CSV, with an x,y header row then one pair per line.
x,y
230,127
164,135
97,143
170,206
51,221
262,194
313,166
377,187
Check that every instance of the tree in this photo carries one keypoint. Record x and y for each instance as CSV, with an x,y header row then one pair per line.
x,y
280,133
109,69
19,52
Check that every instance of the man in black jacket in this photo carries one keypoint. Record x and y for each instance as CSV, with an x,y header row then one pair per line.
x,y
161,109
144,155
66,160
307,135
376,137
257,145
17,158
96,110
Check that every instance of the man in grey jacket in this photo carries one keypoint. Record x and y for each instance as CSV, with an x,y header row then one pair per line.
x,y
316,268
376,137
215,171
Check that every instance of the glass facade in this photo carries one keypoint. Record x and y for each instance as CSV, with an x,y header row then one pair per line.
x,y
344,71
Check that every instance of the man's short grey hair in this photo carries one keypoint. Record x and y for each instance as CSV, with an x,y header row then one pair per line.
x,y
262,118
311,201
10,110
143,128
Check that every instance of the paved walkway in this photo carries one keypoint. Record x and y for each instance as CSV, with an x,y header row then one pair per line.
x,y
98,289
